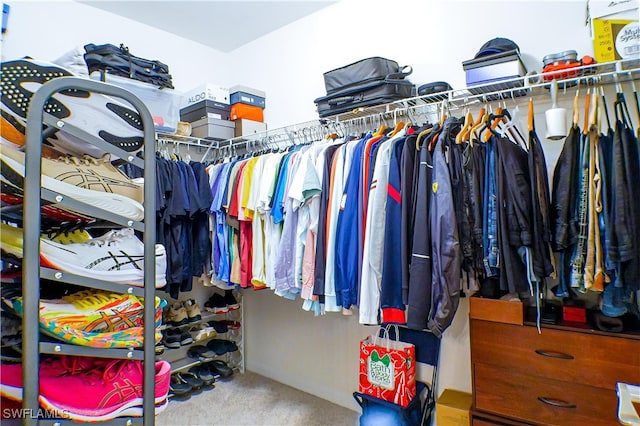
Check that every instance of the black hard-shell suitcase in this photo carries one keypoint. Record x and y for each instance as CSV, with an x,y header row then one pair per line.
x,y
369,94
363,72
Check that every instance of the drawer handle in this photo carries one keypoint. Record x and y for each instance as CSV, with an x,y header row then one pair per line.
x,y
550,354
556,402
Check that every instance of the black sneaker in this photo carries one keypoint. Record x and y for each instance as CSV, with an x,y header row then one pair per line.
x,y
216,304
179,387
185,338
220,367
221,346
191,379
201,353
219,326
205,374
230,300
171,338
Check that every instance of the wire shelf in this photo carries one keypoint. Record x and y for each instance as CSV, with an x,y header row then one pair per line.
x,y
531,85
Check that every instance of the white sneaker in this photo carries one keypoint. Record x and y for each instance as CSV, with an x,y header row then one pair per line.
x,y
117,256
111,120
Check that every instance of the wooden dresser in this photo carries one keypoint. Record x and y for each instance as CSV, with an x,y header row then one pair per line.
x,y
564,376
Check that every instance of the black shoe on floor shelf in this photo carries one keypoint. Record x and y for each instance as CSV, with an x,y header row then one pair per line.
x,y
220,367
192,380
204,373
179,388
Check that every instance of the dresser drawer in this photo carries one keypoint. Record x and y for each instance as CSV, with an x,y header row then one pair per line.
x,y
575,357
541,401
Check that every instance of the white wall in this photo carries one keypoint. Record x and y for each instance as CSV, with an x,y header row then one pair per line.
x,y
46,29
320,355
434,36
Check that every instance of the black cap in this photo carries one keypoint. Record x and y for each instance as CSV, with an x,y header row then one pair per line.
x,y
497,45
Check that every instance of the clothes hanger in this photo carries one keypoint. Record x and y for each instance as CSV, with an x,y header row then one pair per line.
x,y
463,135
421,136
383,127
576,109
604,105
474,134
587,105
593,116
399,126
491,125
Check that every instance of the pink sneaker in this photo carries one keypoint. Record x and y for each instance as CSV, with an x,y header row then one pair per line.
x,y
90,389
11,374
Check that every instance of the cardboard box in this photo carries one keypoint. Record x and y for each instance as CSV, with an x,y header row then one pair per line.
x,y
615,29
212,128
250,112
246,127
207,91
452,408
496,310
204,109
494,68
247,95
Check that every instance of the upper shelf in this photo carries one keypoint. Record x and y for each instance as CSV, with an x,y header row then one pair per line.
x,y
617,72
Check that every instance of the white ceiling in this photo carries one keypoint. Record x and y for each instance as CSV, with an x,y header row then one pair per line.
x,y
222,25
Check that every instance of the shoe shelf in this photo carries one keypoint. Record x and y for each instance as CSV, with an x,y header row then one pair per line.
x,y
184,364
206,317
68,349
32,347
55,275
79,206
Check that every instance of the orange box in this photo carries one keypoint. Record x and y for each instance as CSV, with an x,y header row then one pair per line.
x,y
496,310
250,112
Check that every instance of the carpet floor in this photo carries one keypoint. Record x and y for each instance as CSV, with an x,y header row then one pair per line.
x,y
251,399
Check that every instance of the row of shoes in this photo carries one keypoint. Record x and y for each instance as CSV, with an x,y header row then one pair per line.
x,y
222,303
95,318
116,256
182,313
199,377
89,389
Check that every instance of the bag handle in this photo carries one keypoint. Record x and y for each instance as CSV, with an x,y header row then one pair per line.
x,y
385,335
402,73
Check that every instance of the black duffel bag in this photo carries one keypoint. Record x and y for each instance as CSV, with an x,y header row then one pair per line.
x,y
368,82
119,61
362,72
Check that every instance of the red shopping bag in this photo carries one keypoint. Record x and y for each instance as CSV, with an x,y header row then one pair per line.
x,y
388,369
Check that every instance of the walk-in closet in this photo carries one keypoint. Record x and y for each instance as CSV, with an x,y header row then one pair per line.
x,y
335,212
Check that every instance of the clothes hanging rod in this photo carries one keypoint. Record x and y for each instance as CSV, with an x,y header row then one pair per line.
x,y
598,74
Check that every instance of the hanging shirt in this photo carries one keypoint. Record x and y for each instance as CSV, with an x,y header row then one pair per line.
x,y
374,238
348,227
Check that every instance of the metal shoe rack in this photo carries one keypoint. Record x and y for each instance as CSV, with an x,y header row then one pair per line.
x,y
32,272
178,357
